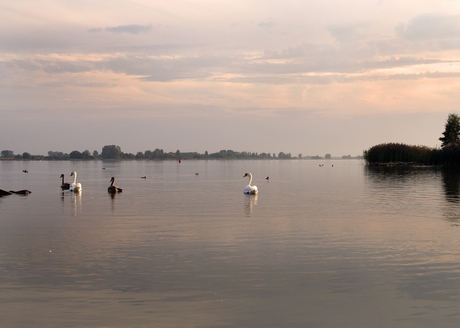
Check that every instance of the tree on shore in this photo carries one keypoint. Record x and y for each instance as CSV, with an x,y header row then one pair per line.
x,y
452,130
111,152
75,155
7,154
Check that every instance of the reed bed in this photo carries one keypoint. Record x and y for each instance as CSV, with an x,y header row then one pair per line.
x,y
402,154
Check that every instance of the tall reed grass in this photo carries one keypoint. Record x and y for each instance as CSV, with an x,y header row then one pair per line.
x,y
397,153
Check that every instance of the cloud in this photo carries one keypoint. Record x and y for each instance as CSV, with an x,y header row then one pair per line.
x,y
430,27
267,25
95,30
131,29
346,33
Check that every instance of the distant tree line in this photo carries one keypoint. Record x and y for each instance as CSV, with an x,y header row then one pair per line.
x,y
398,153
114,152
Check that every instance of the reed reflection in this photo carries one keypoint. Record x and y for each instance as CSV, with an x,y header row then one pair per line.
x,y
451,180
392,174
450,184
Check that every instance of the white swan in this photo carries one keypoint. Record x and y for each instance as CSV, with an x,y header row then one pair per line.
x,y
113,189
74,186
250,189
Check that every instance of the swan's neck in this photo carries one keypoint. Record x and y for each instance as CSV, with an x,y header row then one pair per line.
x,y
62,179
250,178
112,182
75,177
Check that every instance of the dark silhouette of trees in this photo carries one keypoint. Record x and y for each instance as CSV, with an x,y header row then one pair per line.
x,y
452,130
75,155
114,152
86,154
111,152
7,154
57,155
282,155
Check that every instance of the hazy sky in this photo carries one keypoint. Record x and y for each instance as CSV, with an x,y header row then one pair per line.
x,y
299,76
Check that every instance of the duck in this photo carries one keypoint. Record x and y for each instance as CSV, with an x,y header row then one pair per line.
x,y
250,189
113,189
64,185
74,186
4,193
21,192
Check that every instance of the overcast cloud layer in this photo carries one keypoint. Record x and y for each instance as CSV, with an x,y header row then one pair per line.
x,y
309,77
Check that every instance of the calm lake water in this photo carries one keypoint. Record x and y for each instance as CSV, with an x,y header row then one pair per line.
x,y
339,245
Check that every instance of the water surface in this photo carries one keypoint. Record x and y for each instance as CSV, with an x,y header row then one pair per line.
x,y
338,245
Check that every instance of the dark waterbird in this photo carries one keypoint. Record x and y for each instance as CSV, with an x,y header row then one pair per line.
x,y
113,189
64,185
4,193
21,192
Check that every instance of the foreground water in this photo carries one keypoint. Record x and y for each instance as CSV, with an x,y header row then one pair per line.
x,y
339,245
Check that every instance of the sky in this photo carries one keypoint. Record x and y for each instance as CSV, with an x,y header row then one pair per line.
x,y
297,76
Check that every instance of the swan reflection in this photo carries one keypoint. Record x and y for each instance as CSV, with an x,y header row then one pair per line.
x,y
249,203
75,200
76,203
112,203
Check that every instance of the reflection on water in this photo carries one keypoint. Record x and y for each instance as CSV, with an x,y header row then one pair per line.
x,y
418,189
342,246
112,196
250,202
451,186
75,201
451,183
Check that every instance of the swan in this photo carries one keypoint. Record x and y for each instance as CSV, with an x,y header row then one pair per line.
x,y
250,189
64,185
113,189
74,186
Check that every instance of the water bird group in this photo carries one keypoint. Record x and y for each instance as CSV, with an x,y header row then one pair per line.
x,y
77,187
19,192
